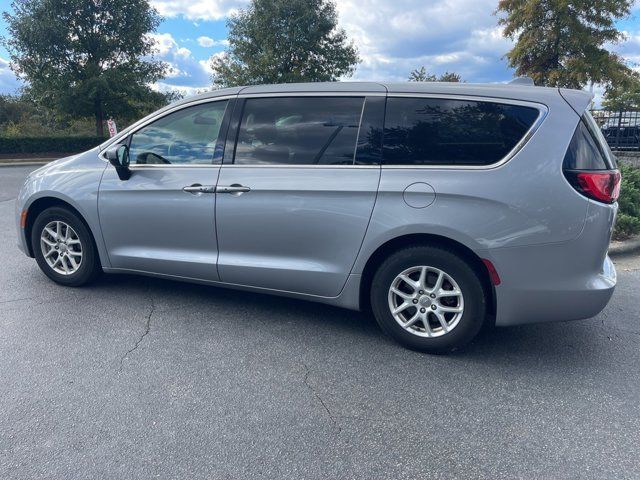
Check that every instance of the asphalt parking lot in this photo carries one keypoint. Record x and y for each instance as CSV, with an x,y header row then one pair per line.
x,y
139,378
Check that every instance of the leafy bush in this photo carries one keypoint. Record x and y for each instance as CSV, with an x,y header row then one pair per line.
x,y
22,117
628,221
9,145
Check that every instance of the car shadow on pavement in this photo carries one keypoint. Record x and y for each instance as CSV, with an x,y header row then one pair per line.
x,y
176,295
568,343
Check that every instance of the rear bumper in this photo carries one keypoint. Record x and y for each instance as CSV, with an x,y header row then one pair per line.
x,y
557,281
556,302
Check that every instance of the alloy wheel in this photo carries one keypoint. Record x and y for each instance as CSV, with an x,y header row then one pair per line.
x,y
61,247
426,301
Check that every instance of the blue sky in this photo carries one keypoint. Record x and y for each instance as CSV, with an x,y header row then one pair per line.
x,y
393,37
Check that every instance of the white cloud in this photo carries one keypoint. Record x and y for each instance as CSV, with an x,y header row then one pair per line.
x,y
198,9
9,83
184,72
165,43
455,35
206,41
210,42
205,65
172,71
489,41
183,52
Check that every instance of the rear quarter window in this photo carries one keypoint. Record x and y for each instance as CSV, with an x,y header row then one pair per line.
x,y
588,149
430,131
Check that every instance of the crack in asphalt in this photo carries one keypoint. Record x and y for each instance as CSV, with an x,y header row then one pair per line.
x,y
319,398
632,339
147,330
615,331
16,300
8,200
44,300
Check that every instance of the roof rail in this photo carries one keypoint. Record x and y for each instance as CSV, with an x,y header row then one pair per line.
x,y
522,81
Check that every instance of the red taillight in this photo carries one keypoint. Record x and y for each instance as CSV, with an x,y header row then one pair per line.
x,y
598,185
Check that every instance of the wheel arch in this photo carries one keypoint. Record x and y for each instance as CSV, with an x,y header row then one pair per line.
x,y
38,206
410,240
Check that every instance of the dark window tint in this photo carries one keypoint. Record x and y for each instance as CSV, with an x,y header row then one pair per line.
x,y
187,136
299,131
423,131
585,151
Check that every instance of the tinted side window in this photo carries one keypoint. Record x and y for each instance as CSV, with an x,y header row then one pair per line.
x,y
187,136
426,131
298,131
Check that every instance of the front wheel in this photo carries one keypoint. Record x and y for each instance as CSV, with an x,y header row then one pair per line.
x,y
64,247
428,299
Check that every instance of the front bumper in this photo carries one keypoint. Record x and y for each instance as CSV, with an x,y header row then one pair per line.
x,y
21,237
22,246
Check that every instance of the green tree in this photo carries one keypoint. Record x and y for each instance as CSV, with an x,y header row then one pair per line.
x,y
85,57
450,77
21,116
14,109
562,43
421,75
283,41
625,96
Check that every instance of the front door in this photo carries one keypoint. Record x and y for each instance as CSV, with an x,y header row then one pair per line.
x,y
162,219
293,207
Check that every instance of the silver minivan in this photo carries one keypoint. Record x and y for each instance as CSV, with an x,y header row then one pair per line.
x,y
436,207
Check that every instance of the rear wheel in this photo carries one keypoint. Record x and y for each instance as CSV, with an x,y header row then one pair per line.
x,y
428,299
64,247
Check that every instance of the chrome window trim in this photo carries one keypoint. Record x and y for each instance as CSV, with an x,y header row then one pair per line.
x,y
327,93
138,126
281,165
543,111
142,166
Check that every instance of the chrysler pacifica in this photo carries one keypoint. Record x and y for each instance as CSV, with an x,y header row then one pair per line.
x,y
436,207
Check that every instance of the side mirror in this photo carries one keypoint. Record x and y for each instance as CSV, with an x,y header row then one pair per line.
x,y
118,156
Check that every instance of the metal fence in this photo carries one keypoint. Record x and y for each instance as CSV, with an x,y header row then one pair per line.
x,y
621,129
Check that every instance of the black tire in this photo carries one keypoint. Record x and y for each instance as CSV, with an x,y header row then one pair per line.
x,y
469,282
89,266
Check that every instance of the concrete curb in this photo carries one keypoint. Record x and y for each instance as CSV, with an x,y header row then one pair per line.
x,y
10,162
624,247
22,164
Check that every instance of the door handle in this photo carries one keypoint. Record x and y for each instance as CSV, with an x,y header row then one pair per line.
x,y
234,189
197,188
